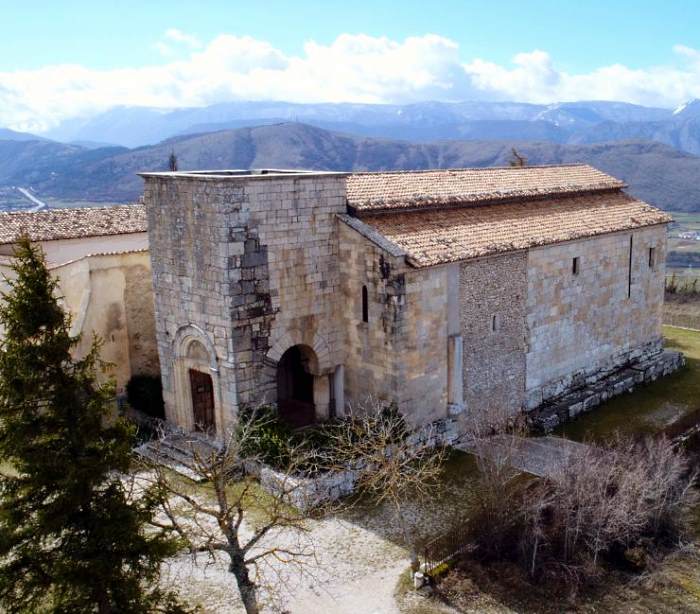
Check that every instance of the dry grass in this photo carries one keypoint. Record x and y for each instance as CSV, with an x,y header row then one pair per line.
x,y
683,311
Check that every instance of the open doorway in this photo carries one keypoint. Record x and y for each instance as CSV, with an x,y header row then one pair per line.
x,y
295,386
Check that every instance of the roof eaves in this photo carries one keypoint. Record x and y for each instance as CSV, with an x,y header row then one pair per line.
x,y
373,235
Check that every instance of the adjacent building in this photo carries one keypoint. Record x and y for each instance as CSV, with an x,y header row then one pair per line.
x,y
100,257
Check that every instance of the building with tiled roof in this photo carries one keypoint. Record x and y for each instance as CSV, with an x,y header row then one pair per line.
x,y
69,234
99,256
449,292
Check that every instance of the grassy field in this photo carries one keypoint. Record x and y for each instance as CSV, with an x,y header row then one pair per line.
x,y
683,311
683,222
686,220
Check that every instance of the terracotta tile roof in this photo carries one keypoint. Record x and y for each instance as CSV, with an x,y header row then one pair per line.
x,y
55,224
410,189
438,236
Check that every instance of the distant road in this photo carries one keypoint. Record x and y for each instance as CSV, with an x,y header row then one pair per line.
x,y
40,205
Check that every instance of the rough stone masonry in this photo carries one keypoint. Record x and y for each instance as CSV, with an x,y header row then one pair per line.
x,y
449,293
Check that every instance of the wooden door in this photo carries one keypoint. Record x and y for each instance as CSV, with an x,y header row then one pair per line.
x,y
202,401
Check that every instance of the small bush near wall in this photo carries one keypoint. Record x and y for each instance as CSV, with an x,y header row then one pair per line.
x,y
145,394
266,437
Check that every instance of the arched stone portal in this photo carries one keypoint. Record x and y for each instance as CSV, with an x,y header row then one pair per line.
x,y
295,386
198,398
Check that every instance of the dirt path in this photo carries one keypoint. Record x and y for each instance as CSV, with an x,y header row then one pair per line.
x,y
355,571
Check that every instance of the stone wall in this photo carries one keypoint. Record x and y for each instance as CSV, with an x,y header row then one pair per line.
x,y
400,354
294,220
191,250
492,311
119,309
249,267
591,321
371,367
305,493
422,345
646,365
139,317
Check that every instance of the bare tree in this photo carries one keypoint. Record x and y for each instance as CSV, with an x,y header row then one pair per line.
x,y
518,159
172,161
493,438
612,495
258,532
623,496
394,463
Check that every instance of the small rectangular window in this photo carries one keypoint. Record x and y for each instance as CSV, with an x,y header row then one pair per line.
x,y
575,265
652,257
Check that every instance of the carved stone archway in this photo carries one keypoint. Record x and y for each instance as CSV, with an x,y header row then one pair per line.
x,y
196,361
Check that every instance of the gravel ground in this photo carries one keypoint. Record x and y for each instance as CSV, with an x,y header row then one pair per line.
x,y
358,559
355,571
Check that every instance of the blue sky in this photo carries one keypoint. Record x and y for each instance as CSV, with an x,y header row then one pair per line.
x,y
80,57
579,34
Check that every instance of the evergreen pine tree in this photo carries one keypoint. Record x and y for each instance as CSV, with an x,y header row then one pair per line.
x,y
72,539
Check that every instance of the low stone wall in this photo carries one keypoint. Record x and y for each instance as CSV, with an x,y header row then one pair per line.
x,y
308,492
553,390
644,365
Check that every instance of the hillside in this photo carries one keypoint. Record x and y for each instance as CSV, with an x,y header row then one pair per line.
x,y
570,122
656,173
11,135
137,126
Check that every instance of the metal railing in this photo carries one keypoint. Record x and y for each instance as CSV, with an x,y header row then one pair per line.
x,y
445,547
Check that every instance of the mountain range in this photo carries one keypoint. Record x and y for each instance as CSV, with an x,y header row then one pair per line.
x,y
581,122
657,173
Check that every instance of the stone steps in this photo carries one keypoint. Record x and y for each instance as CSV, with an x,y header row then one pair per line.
x,y
551,414
177,451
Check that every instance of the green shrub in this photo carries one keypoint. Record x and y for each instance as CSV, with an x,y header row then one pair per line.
x,y
145,394
264,436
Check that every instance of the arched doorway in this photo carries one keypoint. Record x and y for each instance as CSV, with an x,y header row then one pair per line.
x,y
295,386
202,391
197,402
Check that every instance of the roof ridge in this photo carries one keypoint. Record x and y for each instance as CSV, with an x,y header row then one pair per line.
x,y
470,168
72,209
401,189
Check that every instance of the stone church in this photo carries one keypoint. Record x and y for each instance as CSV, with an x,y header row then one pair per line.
x,y
447,292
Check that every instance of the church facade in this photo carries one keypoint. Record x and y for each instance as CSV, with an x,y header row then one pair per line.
x,y
447,292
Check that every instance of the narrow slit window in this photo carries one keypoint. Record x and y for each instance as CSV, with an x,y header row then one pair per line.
x,y
575,266
652,257
365,305
629,269
494,323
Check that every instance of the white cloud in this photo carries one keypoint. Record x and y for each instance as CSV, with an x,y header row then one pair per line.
x,y
178,36
173,40
353,68
534,78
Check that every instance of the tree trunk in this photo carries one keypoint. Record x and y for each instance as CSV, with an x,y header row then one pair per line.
x,y
246,587
102,600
